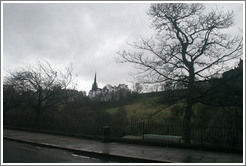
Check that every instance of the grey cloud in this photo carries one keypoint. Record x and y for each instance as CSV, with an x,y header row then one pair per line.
x,y
86,35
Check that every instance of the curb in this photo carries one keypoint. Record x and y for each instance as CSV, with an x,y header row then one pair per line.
x,y
104,156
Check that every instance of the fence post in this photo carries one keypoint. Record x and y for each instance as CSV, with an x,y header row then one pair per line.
x,y
143,131
201,134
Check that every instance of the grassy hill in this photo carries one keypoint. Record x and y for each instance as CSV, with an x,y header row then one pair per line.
x,y
147,106
220,101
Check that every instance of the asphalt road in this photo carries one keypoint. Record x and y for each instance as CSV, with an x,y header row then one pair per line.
x,y
15,152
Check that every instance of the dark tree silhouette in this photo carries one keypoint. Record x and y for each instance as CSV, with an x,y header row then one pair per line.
x,y
189,45
10,99
40,86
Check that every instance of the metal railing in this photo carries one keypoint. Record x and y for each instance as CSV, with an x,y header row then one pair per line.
x,y
200,134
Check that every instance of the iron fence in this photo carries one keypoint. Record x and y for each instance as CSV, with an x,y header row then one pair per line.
x,y
200,134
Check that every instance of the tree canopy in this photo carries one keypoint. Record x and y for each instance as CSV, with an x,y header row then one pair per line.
x,y
189,45
188,42
39,86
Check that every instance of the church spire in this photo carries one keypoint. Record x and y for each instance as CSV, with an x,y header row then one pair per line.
x,y
94,85
95,78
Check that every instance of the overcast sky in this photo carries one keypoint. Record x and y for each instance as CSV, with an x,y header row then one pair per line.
x,y
88,35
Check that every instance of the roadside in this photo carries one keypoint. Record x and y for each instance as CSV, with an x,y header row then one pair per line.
x,y
17,152
122,151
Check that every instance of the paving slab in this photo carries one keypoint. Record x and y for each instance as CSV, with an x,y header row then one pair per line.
x,y
140,152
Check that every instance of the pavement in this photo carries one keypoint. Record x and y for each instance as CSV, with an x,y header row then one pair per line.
x,y
123,152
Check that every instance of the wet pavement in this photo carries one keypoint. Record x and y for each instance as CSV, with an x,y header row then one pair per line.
x,y
16,152
127,152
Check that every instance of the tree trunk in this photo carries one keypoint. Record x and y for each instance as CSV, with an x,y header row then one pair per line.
x,y
188,108
37,119
187,122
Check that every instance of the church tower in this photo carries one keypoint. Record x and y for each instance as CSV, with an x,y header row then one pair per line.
x,y
94,85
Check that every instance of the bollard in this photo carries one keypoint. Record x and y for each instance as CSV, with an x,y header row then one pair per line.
x,y
106,134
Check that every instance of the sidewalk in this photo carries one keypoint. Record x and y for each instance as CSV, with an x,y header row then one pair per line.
x,y
127,152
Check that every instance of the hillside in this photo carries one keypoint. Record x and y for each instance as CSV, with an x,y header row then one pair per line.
x,y
147,106
213,100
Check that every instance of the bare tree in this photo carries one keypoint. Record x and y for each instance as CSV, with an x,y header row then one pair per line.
x,y
10,99
188,46
137,87
40,86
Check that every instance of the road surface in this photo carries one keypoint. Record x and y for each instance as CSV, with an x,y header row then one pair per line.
x,y
15,152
